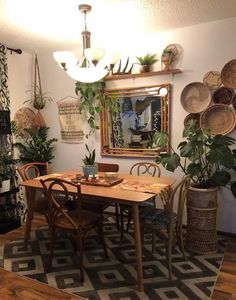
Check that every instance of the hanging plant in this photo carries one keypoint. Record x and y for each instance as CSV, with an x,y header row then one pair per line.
x,y
40,98
93,98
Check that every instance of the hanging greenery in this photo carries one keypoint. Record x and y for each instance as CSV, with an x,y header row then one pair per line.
x,y
93,98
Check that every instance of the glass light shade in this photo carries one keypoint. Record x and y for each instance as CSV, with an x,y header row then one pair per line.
x,y
65,57
94,54
87,75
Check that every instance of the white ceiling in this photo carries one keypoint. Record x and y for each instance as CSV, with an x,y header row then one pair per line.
x,y
57,24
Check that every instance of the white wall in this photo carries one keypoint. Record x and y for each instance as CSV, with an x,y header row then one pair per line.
x,y
205,47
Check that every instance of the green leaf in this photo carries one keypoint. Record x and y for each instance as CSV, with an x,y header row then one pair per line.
x,y
221,178
169,161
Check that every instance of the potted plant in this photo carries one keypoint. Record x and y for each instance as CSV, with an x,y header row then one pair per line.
x,y
137,129
146,62
209,160
7,171
34,146
89,168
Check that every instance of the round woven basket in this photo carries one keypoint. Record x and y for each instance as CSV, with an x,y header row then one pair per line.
x,y
201,234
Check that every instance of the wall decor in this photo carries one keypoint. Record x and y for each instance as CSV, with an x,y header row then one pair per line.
x,y
195,97
219,118
168,56
228,74
223,95
131,133
70,121
212,79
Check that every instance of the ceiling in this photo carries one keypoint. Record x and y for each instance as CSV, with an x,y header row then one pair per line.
x,y
56,24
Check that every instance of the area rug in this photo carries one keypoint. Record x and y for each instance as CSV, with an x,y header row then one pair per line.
x,y
113,278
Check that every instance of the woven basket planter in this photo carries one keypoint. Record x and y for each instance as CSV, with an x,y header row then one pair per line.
x,y
201,234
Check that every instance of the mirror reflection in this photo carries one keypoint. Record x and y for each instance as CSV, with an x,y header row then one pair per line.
x,y
142,112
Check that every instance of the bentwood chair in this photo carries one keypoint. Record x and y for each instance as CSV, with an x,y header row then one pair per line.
x,y
103,205
38,203
77,222
166,223
141,168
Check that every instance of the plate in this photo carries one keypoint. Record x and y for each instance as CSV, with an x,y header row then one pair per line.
x,y
223,95
228,74
212,79
195,117
24,118
195,97
219,118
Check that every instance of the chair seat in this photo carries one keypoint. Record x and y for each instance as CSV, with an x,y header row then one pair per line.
x,y
156,216
88,218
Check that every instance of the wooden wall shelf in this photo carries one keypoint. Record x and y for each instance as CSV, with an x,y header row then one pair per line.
x,y
147,74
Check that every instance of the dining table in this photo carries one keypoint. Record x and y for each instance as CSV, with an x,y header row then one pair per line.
x,y
127,189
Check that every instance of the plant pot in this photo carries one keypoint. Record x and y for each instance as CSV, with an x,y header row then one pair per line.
x,y
145,68
5,186
90,170
136,138
201,234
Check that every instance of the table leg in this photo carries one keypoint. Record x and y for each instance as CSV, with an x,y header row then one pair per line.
x,y
138,246
30,195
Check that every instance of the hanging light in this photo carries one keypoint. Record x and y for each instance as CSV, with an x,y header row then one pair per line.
x,y
93,65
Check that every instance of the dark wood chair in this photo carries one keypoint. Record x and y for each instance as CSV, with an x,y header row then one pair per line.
x,y
103,205
141,168
166,223
39,202
77,222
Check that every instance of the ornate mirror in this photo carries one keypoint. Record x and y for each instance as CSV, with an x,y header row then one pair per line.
x,y
142,112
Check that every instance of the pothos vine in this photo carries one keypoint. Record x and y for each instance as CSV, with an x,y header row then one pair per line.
x,y
93,98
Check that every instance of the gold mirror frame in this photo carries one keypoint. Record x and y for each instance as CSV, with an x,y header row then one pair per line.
x,y
162,94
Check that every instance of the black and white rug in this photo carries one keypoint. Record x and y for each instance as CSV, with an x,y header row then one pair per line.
x,y
113,278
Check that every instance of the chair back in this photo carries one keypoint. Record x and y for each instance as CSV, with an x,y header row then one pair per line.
x,y
145,168
59,207
107,167
179,193
32,170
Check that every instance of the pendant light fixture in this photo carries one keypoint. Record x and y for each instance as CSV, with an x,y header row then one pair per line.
x,y
93,65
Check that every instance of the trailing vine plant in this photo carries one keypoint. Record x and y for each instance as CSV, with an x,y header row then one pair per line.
x,y
93,98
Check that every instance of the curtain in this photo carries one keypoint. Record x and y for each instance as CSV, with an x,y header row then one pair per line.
x,y
6,141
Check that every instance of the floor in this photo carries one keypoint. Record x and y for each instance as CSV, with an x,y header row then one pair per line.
x,y
16,287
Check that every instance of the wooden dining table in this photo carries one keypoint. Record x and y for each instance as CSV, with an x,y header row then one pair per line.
x,y
132,190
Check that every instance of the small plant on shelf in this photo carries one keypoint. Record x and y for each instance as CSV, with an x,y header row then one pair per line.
x,y
146,62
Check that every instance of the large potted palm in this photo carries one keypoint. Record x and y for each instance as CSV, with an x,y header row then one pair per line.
x,y
210,161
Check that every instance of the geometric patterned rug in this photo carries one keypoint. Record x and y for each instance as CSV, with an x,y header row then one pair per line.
x,y
113,278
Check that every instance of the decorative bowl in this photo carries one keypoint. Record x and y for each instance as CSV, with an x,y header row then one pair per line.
x,y
110,176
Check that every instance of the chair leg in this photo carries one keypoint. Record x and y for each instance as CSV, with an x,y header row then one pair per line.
x,y
101,234
53,240
181,241
117,215
169,251
129,221
121,224
81,256
153,240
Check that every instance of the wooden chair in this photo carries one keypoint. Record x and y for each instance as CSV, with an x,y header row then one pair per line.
x,y
100,206
141,168
165,222
77,222
39,202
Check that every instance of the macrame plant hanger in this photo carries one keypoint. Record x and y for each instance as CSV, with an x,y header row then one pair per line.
x,y
38,100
